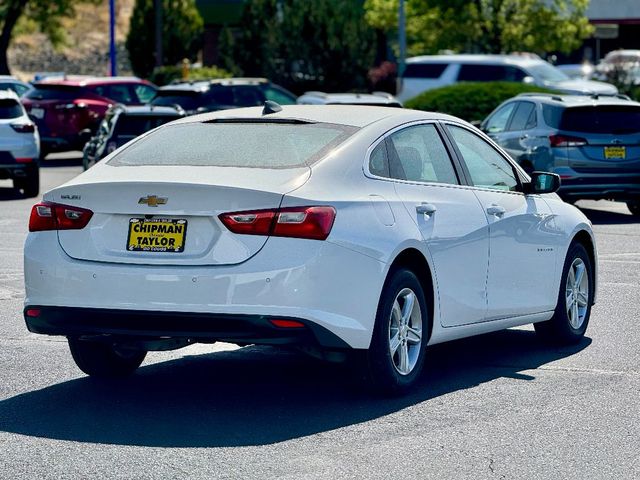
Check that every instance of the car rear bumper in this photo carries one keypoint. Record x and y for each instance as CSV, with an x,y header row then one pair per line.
x,y
599,190
83,322
317,282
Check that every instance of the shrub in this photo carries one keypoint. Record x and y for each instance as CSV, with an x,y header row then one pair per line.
x,y
182,28
165,75
471,101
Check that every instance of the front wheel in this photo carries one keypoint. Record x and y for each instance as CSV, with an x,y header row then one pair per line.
x,y
571,318
29,184
395,357
100,359
634,207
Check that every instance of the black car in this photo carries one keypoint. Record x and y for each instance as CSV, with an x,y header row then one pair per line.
x,y
211,95
122,124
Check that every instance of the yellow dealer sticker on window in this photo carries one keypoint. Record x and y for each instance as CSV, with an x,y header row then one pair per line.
x,y
156,235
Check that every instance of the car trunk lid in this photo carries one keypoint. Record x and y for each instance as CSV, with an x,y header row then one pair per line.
x,y
131,217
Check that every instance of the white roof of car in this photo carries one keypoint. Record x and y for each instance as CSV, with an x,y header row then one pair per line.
x,y
478,58
6,94
322,98
356,116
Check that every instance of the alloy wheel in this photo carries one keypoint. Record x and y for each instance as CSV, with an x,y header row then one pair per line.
x,y
577,293
405,331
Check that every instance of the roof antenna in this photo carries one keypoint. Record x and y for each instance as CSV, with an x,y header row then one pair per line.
x,y
271,107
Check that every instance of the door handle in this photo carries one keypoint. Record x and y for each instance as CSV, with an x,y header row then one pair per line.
x,y
496,210
426,208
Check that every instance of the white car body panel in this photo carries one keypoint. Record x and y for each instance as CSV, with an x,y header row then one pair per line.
x,y
335,283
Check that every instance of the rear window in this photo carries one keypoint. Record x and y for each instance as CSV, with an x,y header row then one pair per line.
x,y
10,109
134,125
235,144
54,92
188,101
424,70
607,119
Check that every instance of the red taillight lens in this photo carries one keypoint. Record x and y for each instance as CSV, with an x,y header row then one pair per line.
x,y
53,216
23,127
566,141
24,160
313,223
281,323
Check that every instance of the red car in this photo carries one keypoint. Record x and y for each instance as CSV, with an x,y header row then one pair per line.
x,y
68,110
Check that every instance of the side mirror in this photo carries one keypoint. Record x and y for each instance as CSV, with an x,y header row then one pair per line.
x,y
542,182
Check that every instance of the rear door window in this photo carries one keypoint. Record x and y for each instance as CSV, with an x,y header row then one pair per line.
x,y
417,154
524,117
424,70
10,108
481,73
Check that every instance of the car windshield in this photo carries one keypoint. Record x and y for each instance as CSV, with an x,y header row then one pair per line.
x,y
10,109
134,125
53,92
236,144
547,72
188,101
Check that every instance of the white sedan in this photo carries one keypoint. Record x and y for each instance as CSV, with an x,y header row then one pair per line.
x,y
358,233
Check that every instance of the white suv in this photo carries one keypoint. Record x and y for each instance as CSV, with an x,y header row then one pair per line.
x,y
433,71
19,145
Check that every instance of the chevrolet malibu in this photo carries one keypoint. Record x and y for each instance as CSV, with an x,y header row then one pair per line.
x,y
355,233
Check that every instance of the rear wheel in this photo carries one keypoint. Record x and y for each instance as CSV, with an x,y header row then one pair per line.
x,y
100,359
395,357
571,318
634,207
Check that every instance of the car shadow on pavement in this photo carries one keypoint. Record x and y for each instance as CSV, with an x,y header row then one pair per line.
x,y
255,395
605,217
8,193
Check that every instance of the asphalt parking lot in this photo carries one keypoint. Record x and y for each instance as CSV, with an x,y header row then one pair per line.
x,y
501,405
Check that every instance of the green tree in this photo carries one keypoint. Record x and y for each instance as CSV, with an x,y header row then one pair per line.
x,y
303,44
182,28
487,26
45,14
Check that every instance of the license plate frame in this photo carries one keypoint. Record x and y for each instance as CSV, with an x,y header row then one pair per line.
x,y
615,152
156,235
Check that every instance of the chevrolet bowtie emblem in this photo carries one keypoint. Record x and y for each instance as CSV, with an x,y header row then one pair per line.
x,y
153,200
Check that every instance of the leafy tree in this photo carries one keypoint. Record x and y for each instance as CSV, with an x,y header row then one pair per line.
x,y
303,44
45,14
487,26
182,28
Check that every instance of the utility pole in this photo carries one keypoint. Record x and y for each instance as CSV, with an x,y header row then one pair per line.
x,y
158,10
402,39
112,38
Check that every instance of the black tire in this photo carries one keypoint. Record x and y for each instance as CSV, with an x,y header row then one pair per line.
x,y
634,207
103,360
559,329
30,184
379,365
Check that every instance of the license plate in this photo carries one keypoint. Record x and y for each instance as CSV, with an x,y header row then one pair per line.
x,y
156,235
37,113
615,152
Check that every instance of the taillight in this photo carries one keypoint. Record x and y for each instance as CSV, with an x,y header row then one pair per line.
x,y
313,223
23,127
53,216
566,141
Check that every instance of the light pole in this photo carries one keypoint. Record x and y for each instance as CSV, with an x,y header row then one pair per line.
x,y
402,39
112,38
158,11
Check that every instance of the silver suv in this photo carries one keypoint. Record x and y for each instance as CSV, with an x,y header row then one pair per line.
x,y
433,71
592,142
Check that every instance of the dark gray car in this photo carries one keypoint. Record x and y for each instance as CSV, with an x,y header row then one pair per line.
x,y
592,142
